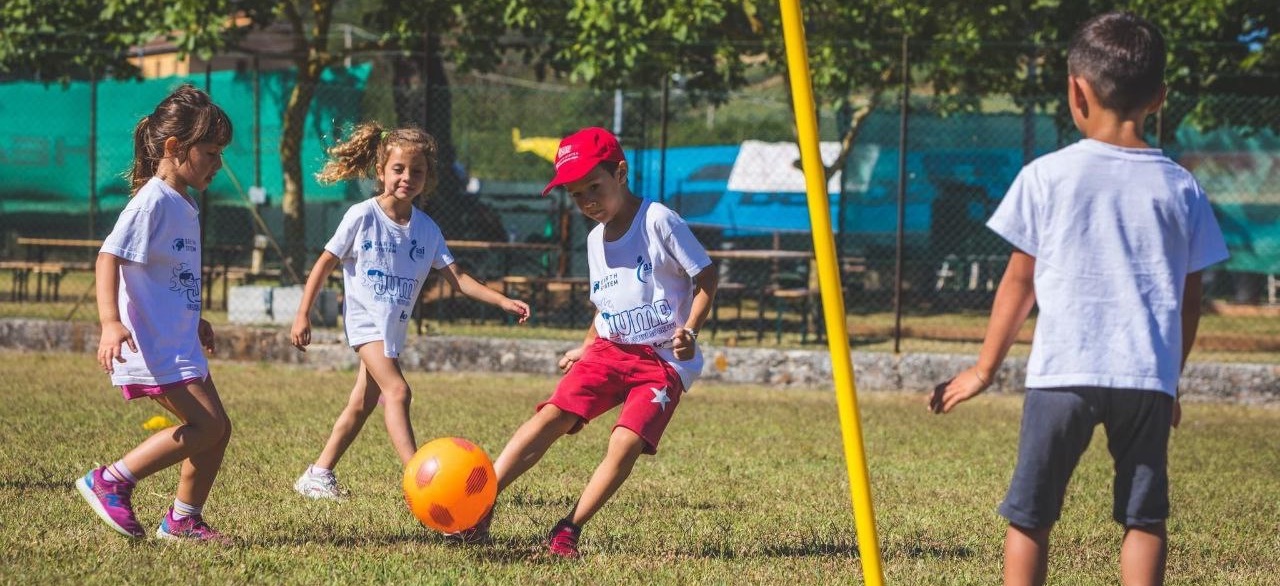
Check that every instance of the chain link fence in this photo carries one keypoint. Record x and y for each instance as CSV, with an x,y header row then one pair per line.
x,y
729,168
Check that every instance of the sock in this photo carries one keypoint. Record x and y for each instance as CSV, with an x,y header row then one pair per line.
x,y
318,471
118,472
182,510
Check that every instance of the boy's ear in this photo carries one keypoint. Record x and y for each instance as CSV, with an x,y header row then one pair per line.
x,y
622,172
1158,101
1077,97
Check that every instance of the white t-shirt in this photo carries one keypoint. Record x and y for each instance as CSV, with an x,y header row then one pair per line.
x,y
641,284
384,266
157,236
1114,232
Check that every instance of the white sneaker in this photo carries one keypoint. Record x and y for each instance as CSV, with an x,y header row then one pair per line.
x,y
318,486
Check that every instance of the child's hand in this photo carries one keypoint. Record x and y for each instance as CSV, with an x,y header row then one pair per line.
x,y
301,332
570,357
205,332
114,337
517,308
683,344
963,387
1177,412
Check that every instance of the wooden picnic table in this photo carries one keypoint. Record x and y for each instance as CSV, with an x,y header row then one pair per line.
x,y
47,271
506,249
218,262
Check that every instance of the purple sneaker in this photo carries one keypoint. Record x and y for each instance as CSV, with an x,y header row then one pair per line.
x,y
111,501
192,527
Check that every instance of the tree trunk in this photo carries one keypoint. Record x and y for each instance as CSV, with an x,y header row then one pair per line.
x,y
295,116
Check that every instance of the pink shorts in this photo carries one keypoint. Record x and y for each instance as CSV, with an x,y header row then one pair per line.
x,y
631,375
132,392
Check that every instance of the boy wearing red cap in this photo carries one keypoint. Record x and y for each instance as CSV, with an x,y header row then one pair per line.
x,y
652,286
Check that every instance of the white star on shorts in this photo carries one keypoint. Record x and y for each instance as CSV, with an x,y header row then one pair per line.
x,y
660,397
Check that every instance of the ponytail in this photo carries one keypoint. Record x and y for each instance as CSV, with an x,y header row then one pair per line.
x,y
356,156
364,153
145,156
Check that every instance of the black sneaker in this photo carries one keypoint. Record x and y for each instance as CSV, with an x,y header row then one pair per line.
x,y
477,534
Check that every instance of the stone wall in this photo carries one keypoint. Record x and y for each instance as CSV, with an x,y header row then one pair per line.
x,y
874,371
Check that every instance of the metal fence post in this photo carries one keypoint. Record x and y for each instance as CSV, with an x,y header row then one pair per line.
x,y
902,198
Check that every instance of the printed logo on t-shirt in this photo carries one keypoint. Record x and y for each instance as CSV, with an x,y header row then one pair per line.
x,y
643,269
387,247
608,281
185,245
390,288
416,252
638,322
404,316
186,282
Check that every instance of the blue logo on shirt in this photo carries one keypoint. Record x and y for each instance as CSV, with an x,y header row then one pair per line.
x,y
608,281
391,287
638,321
186,281
184,244
415,250
643,269
387,247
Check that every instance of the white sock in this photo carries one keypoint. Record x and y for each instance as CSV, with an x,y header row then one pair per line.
x,y
118,472
182,510
318,471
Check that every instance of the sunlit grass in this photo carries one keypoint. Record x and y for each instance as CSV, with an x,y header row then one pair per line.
x,y
749,487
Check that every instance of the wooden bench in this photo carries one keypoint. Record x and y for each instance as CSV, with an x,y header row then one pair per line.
x,y
732,293
542,293
22,271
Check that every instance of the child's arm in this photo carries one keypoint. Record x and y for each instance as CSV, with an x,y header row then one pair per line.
x,y
301,332
573,355
1192,294
1014,300
472,288
114,334
704,295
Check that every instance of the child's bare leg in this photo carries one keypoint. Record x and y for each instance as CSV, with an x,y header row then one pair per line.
x,y
624,448
1026,556
530,442
384,375
361,403
201,441
1142,555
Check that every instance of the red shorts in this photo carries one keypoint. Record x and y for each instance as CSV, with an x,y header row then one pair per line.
x,y
135,391
631,375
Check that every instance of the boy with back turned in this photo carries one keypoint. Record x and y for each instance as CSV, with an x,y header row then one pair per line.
x,y
1109,239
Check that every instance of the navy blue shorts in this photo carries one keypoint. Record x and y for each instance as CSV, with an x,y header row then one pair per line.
x,y
1057,425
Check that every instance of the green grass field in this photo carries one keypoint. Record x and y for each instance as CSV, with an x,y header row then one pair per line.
x,y
749,487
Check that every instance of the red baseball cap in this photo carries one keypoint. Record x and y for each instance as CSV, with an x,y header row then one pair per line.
x,y
580,152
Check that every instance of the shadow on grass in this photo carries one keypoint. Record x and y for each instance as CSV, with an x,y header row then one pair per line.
x,y
528,550
831,548
341,541
922,551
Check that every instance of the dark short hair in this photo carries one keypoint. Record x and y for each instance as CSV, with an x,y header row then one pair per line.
x,y
609,167
1122,56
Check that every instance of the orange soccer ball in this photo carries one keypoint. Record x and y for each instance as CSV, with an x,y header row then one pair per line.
x,y
450,484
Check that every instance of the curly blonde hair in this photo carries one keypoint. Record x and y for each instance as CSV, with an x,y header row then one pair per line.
x,y
365,152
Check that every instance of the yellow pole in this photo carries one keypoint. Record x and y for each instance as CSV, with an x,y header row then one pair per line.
x,y
824,248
